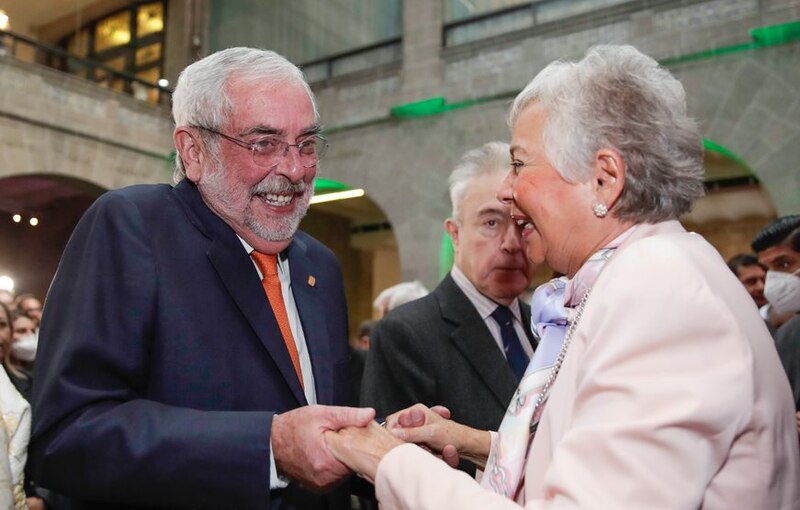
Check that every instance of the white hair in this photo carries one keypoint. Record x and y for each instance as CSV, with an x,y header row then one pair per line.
x,y
396,295
200,97
616,97
488,158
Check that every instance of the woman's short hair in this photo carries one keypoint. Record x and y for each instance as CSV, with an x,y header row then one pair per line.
x,y
616,97
489,157
200,97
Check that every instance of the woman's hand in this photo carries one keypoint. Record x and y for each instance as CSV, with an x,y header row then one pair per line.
x,y
433,429
361,449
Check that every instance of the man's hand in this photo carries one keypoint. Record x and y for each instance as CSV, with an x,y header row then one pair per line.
x,y
362,449
299,446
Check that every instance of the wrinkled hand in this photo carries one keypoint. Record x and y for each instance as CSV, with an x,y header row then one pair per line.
x,y
419,415
433,429
362,449
299,446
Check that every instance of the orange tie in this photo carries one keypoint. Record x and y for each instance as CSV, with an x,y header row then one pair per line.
x,y
268,264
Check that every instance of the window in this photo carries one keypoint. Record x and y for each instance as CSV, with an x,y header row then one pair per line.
x,y
130,41
361,34
461,9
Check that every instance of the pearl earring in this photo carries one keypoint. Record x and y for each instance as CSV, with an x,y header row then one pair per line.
x,y
600,210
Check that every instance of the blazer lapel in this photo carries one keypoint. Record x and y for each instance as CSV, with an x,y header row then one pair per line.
x,y
240,277
473,339
309,303
525,314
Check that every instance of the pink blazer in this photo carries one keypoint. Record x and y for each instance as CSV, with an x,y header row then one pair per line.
x,y
671,396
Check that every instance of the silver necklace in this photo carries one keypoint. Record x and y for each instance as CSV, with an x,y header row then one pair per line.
x,y
559,360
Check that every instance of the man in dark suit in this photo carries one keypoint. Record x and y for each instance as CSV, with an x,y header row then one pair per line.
x,y
453,347
194,341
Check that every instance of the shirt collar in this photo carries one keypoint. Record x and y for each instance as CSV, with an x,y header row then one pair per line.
x,y
484,305
283,260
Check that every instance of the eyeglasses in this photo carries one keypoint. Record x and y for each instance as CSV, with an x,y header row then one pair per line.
x,y
268,151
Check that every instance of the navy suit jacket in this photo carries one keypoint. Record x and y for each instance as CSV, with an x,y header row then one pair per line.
x,y
161,364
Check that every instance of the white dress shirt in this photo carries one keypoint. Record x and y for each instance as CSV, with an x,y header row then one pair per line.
x,y
486,306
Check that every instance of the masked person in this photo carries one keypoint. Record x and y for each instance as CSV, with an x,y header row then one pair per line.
x,y
22,352
778,248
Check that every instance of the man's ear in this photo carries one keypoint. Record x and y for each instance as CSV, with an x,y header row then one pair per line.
x,y
191,150
609,177
451,225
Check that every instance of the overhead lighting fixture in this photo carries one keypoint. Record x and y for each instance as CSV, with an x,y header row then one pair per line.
x,y
339,195
6,283
33,221
4,22
16,218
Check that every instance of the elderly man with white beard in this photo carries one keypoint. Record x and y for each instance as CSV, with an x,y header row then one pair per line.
x,y
194,341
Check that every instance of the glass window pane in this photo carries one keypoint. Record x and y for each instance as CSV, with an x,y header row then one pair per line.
x,y
150,19
114,63
148,54
562,9
304,30
113,31
495,25
460,9
142,91
79,44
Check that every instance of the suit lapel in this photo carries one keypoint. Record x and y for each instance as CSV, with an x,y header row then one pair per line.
x,y
240,277
525,314
473,339
309,304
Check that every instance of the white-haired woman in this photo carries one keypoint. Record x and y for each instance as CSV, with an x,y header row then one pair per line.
x,y
655,383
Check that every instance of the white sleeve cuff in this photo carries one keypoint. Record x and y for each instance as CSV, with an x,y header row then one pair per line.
x,y
276,481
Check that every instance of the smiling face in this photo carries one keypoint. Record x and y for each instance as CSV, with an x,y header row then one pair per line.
x,y
264,205
554,214
488,249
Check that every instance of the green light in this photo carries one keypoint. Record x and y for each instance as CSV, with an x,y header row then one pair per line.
x,y
446,256
776,34
328,186
763,37
432,106
711,145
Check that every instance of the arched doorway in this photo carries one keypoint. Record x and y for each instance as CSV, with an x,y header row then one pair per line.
x,y
736,205
37,215
359,233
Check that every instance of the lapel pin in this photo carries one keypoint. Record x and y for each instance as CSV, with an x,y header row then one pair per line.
x,y
312,282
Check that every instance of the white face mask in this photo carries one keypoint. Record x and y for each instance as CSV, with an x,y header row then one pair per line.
x,y
25,348
782,290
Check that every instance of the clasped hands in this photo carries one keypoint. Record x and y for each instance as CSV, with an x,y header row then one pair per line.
x,y
362,448
319,446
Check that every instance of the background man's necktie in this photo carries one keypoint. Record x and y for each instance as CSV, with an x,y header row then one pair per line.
x,y
268,264
514,353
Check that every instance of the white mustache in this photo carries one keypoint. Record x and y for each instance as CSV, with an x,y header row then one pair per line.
x,y
278,185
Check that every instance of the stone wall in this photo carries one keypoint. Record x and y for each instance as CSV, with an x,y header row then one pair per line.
x,y
53,123
747,101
